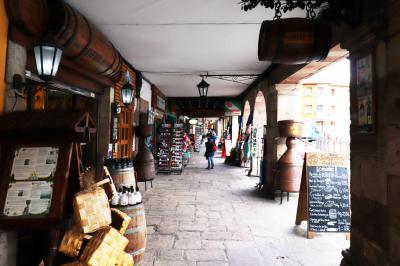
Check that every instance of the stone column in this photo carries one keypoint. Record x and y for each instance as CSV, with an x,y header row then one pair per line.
x,y
16,64
235,130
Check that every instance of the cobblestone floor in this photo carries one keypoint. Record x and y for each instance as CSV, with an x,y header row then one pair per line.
x,y
217,217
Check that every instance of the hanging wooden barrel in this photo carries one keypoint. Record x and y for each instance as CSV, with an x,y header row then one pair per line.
x,y
123,177
30,16
294,41
136,232
84,44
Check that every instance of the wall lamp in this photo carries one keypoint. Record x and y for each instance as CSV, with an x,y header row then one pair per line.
x,y
47,58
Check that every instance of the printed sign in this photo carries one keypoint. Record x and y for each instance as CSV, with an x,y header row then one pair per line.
x,y
160,103
31,186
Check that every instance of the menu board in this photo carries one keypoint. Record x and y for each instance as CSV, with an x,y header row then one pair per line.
x,y
328,192
31,182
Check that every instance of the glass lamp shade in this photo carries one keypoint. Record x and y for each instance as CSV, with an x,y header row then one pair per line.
x,y
127,94
193,121
48,57
203,88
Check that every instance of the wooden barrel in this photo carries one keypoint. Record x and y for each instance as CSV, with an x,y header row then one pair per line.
x,y
136,232
84,44
294,41
123,177
30,16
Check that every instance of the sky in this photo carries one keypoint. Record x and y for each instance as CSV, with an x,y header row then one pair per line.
x,y
337,73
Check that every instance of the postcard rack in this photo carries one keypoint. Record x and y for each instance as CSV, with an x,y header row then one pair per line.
x,y
177,148
163,155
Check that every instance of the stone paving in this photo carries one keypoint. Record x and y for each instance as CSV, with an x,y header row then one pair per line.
x,y
217,217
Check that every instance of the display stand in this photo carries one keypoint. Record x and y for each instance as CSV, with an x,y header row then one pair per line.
x,y
176,160
197,139
40,158
256,152
324,194
164,165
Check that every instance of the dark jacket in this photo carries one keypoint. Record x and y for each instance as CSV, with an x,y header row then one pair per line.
x,y
209,144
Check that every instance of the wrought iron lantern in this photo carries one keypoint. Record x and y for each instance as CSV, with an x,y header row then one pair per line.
x,y
203,88
47,57
127,90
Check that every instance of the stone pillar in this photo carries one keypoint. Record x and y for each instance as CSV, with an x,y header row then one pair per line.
x,y
272,134
16,64
235,130
375,157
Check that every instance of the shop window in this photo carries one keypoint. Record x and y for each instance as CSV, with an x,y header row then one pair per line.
x,y
58,100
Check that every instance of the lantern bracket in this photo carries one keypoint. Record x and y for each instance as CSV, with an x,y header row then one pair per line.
x,y
237,78
19,85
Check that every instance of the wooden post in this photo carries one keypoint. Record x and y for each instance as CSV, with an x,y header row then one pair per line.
x,y
103,130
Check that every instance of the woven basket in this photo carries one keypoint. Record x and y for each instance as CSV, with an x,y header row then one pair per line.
x,y
125,259
91,210
86,179
72,242
104,248
109,186
119,220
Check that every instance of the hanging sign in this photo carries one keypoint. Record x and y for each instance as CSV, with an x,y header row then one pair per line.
x,y
160,103
324,193
233,108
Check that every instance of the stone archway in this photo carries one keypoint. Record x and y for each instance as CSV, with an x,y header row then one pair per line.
x,y
260,110
246,112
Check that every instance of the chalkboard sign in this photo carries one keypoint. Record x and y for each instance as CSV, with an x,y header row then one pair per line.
x,y
325,184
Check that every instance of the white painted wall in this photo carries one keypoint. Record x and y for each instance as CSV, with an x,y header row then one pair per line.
x,y
145,93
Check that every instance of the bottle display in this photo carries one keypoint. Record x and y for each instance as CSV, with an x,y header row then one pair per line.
x,y
177,148
163,154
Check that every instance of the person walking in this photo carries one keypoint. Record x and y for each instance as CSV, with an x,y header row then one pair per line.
x,y
211,147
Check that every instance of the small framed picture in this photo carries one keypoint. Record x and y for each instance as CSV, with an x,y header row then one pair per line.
x,y
365,82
